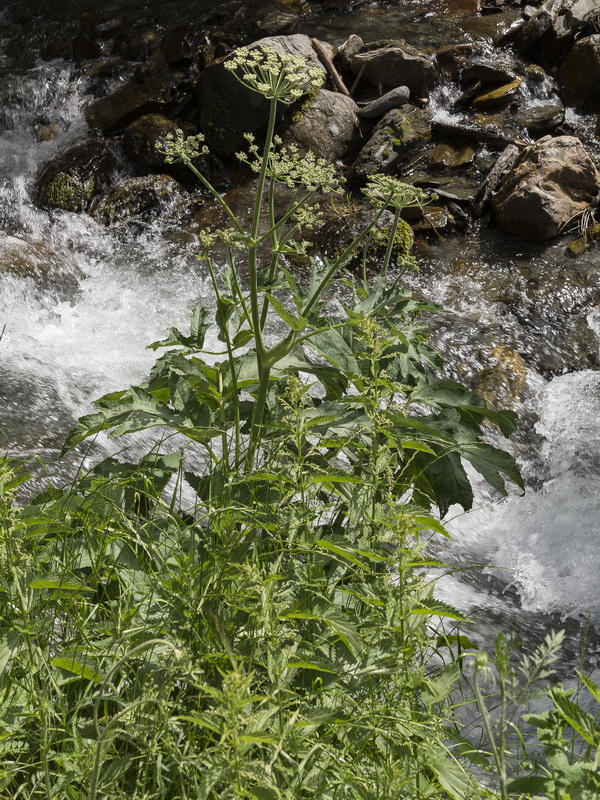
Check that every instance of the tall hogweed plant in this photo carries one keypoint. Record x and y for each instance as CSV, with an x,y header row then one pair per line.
x,y
251,616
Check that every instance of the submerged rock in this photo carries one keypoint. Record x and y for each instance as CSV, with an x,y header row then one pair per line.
x,y
134,196
74,178
552,182
38,261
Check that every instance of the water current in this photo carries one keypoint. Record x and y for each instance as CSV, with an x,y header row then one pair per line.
x,y
520,313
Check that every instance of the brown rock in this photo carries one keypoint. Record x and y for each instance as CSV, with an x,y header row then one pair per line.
x,y
142,136
126,104
498,96
552,182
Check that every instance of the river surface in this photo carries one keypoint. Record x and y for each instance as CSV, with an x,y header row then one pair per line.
x,y
522,314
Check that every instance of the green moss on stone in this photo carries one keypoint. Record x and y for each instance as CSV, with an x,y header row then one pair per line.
x,y
69,194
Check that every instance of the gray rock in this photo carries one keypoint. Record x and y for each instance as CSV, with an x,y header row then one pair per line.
x,y
392,99
396,137
552,182
541,22
580,74
228,109
328,127
395,63
543,119
486,72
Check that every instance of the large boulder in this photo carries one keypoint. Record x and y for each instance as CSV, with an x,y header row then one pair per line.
x,y
552,182
392,63
580,74
328,127
74,178
229,109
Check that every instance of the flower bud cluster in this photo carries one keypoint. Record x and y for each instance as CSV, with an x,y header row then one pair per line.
x,y
177,147
385,191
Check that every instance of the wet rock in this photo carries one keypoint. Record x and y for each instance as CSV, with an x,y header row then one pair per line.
x,y
394,63
499,96
552,182
503,382
134,196
580,245
495,27
445,156
580,74
152,67
328,126
541,120
454,58
228,109
128,103
487,72
392,99
73,179
142,137
273,18
399,134
541,22
37,260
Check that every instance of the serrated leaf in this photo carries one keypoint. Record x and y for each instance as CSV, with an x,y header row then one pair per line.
x,y
297,324
440,609
578,719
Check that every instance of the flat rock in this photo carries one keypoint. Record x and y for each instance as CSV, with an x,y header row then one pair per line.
x,y
498,96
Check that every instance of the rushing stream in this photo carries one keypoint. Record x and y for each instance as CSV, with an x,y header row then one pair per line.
x,y
80,330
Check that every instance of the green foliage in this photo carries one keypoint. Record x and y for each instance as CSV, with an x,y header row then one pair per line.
x,y
251,616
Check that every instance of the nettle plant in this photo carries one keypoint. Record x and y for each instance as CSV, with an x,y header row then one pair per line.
x,y
273,637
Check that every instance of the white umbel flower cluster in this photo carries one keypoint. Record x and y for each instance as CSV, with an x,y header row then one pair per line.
x,y
277,76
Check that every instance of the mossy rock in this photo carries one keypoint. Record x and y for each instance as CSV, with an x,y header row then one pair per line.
x,y
72,180
135,196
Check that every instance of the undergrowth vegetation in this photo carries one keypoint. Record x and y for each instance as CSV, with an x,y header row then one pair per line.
x,y
247,609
